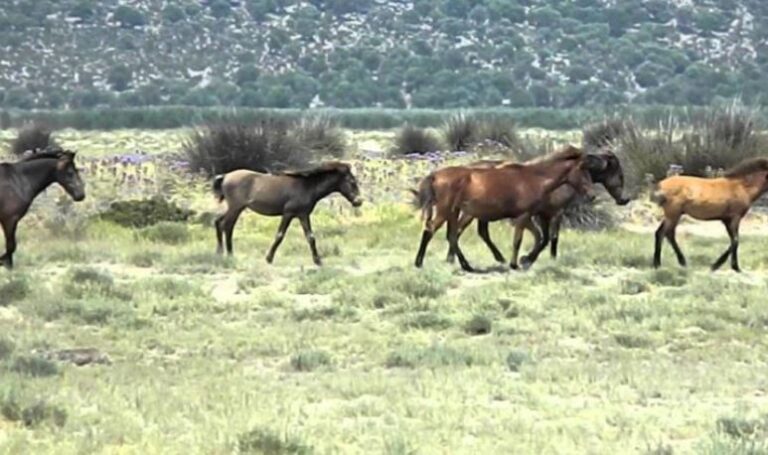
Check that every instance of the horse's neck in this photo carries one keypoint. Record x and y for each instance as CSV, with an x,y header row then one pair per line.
x,y
754,186
554,181
39,174
322,185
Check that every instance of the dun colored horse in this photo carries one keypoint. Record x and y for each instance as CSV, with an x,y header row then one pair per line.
x,y
290,194
726,198
22,181
509,190
607,172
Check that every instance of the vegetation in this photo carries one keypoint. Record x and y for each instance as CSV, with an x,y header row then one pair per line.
x,y
437,54
31,137
366,354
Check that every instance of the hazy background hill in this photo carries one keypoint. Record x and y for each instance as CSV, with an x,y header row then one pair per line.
x,y
376,53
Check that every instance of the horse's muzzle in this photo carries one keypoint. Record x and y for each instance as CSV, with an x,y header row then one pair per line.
x,y
357,202
622,201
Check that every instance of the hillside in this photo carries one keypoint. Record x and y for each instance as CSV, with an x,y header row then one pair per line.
x,y
368,53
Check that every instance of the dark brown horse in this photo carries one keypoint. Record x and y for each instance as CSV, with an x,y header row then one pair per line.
x,y
509,190
727,199
22,181
290,194
545,226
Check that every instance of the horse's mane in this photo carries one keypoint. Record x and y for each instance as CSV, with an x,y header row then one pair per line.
x,y
570,152
329,167
45,154
747,166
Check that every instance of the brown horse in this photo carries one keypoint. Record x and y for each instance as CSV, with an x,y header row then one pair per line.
x,y
726,198
22,181
290,194
508,190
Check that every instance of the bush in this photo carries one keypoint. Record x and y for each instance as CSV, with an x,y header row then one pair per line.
x,y
322,135
218,148
129,17
500,131
606,133
516,359
166,232
145,212
266,442
435,356
14,290
32,415
6,348
310,360
35,367
460,132
32,136
478,325
410,140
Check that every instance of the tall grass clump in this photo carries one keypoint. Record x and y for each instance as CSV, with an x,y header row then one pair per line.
x,y
32,136
322,135
263,441
460,132
413,140
606,133
220,147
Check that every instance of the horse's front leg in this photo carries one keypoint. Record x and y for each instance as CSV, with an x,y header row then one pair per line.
x,y
464,222
284,223
453,239
528,260
732,226
555,234
482,231
9,228
307,226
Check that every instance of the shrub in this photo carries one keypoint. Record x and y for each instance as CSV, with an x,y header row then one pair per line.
x,y
82,282
460,132
129,17
410,140
14,290
322,135
6,348
606,133
217,148
478,325
427,320
145,212
32,136
516,359
435,356
35,366
166,232
502,132
266,442
32,415
310,360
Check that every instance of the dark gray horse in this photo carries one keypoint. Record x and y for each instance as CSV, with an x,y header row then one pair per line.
x,y
290,194
22,181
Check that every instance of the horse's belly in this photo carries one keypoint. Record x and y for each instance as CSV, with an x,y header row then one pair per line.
x,y
705,210
266,208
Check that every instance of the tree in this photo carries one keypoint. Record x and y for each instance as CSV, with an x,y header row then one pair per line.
x,y
173,14
83,11
220,9
129,17
247,74
544,17
120,77
455,8
507,9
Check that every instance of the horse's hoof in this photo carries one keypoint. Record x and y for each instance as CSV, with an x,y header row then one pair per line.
x,y
526,263
514,266
269,260
318,262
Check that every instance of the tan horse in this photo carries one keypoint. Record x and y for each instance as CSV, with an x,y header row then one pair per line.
x,y
726,198
506,191
290,194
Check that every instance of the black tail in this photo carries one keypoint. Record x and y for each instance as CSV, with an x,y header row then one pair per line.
x,y
217,191
424,197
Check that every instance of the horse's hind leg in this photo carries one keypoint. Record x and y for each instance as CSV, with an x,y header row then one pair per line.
x,y
520,225
284,223
453,236
9,227
430,227
732,226
227,224
482,231
555,234
307,226
658,238
464,222
219,234
671,226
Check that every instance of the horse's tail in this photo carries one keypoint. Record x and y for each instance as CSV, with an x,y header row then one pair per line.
x,y
218,181
424,198
658,196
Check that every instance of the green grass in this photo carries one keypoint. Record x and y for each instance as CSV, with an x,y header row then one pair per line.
x,y
592,353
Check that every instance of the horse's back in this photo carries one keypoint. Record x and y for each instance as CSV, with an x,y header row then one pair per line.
x,y
700,197
264,193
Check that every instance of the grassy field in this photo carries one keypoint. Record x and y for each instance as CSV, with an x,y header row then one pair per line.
x,y
592,353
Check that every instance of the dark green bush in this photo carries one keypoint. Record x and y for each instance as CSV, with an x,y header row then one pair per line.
x,y
168,232
13,290
32,136
145,212
34,366
310,360
32,415
261,441
322,135
221,147
410,139
460,132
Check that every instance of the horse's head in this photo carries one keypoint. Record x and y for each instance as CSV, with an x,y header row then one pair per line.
x,y
606,169
68,176
348,186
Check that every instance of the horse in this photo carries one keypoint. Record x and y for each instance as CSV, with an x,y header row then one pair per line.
x,y
289,194
22,181
548,221
508,190
727,198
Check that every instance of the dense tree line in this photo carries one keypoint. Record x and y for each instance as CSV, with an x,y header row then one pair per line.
x,y
420,53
